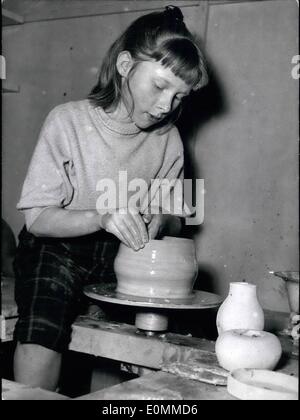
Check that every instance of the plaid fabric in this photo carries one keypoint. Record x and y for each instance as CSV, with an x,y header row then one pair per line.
x,y
50,275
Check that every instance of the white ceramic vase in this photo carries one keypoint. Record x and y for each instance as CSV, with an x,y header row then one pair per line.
x,y
165,268
241,309
253,349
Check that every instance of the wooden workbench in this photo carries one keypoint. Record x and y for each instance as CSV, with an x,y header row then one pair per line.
x,y
122,343
150,358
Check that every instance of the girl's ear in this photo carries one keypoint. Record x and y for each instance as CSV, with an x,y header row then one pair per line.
x,y
124,63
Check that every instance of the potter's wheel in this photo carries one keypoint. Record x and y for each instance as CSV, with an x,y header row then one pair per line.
x,y
153,316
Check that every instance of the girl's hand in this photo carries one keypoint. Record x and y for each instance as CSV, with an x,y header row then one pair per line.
x,y
155,224
162,224
128,225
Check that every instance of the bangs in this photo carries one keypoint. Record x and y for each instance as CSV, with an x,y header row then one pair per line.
x,y
182,57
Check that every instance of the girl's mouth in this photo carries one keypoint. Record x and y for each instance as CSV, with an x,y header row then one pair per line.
x,y
154,118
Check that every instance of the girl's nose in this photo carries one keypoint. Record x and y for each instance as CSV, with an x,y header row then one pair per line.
x,y
165,106
164,103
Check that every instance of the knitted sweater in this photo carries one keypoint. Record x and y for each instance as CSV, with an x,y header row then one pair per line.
x,y
79,145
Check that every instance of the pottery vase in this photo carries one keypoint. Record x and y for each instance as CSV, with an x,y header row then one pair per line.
x,y
165,268
253,349
241,309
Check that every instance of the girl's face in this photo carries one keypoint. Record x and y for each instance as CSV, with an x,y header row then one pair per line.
x,y
155,92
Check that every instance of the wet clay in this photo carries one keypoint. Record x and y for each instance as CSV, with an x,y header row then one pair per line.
x,y
165,268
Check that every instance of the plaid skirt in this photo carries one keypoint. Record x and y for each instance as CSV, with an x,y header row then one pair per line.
x,y
50,275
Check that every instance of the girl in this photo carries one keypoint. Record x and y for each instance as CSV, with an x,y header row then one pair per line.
x,y
124,127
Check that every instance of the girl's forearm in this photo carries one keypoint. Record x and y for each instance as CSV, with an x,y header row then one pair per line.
x,y
61,223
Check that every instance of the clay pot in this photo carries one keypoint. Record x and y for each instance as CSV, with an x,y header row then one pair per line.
x,y
165,268
292,287
291,279
248,349
240,309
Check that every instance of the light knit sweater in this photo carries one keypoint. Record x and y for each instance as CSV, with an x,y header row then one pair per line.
x,y
79,145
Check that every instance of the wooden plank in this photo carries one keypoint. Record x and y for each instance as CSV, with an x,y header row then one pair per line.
x,y
121,342
193,369
177,386
160,386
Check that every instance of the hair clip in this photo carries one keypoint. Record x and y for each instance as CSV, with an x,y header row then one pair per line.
x,y
173,12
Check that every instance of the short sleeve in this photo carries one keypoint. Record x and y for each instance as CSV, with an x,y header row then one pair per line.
x,y
47,182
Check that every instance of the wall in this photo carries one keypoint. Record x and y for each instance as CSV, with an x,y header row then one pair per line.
x,y
54,57
248,152
243,134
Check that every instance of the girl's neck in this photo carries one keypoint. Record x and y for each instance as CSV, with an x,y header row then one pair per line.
x,y
120,113
118,120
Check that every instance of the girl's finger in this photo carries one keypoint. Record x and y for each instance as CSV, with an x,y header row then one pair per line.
x,y
115,231
131,230
137,226
119,228
141,227
154,227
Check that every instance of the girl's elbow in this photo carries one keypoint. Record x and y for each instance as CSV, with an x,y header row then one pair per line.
x,y
35,229
31,229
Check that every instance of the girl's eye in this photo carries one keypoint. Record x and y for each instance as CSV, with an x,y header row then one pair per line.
x,y
158,87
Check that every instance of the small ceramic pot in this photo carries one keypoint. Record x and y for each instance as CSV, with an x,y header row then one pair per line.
x,y
248,349
241,309
165,268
